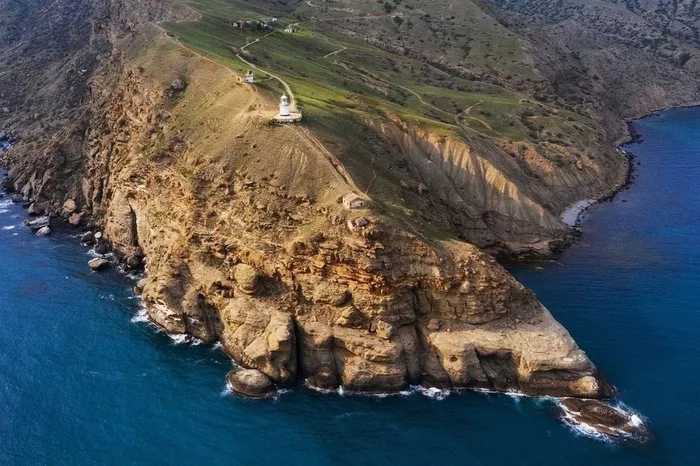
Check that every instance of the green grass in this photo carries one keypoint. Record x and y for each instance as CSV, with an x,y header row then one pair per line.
x,y
365,82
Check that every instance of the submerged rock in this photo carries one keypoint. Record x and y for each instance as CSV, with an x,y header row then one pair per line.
x,y
605,419
98,264
251,383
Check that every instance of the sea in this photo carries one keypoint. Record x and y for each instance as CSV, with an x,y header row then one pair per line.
x,y
84,379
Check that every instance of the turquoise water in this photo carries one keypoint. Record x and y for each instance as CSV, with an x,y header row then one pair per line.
x,y
82,383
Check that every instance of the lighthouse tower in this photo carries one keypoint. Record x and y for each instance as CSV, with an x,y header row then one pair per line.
x,y
284,106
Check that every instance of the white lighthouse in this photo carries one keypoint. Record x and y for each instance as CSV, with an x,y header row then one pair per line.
x,y
286,115
284,106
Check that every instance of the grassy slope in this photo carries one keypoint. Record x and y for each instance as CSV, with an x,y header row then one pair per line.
x,y
337,93
364,80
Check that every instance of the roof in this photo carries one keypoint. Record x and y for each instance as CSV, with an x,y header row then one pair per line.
x,y
350,197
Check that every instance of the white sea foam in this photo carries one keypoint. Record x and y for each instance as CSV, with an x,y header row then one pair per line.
x,y
183,338
9,227
433,393
179,338
141,316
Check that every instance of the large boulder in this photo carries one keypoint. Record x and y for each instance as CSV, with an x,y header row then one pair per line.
x,y
38,223
98,264
604,418
102,248
43,231
87,238
251,383
75,219
248,278
69,207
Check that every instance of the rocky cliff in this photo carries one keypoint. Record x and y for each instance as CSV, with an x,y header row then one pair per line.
x,y
244,239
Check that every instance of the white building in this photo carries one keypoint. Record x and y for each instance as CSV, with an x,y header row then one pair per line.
x,y
284,106
290,29
249,77
286,115
353,201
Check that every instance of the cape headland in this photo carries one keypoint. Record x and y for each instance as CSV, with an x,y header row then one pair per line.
x,y
141,129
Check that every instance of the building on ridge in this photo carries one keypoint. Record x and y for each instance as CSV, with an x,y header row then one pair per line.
x,y
354,201
286,115
249,77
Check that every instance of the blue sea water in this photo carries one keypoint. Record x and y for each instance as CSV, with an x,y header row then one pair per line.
x,y
83,382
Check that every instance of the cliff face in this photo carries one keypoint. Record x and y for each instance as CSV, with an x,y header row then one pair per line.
x,y
503,198
245,240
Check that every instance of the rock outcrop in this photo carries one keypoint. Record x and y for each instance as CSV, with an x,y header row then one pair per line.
x,y
606,419
251,383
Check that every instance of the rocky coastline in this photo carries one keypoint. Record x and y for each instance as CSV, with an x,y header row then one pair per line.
x,y
239,248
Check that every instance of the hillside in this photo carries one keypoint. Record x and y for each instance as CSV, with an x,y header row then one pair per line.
x,y
466,131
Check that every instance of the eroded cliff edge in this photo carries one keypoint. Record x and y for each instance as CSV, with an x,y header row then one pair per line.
x,y
245,240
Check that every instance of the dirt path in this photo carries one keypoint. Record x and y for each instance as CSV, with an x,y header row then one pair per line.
x,y
287,88
213,62
328,55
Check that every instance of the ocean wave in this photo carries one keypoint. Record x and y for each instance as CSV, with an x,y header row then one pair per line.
x,y
9,227
433,393
141,316
183,338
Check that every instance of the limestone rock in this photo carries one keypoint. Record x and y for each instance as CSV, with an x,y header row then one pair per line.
x,y
260,337
44,231
69,207
35,209
330,293
98,264
38,223
248,278
251,383
350,317
75,219
316,355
